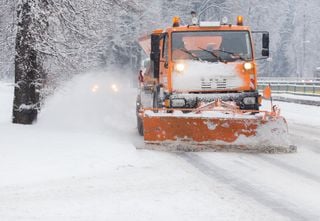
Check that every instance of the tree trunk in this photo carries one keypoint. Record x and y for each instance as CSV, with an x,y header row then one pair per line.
x,y
28,65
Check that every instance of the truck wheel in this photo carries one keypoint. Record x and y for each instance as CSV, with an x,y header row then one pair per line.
x,y
140,126
156,99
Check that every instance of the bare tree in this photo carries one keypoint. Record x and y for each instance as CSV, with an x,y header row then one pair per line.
x,y
29,72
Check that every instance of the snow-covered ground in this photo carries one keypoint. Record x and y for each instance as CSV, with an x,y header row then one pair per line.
x,y
79,163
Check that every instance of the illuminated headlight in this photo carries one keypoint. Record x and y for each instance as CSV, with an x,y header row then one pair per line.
x,y
115,88
249,100
95,88
179,67
248,66
178,103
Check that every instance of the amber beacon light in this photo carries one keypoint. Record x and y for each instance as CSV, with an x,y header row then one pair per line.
x,y
240,20
176,21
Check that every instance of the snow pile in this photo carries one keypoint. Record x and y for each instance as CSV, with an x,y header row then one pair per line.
x,y
272,135
103,101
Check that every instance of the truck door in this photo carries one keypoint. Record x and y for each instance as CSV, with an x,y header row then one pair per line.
x,y
164,61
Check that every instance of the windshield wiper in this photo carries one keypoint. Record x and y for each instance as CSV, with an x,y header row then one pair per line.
x,y
237,56
214,55
190,53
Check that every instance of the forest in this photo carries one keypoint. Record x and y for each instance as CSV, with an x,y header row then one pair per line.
x,y
87,34
65,38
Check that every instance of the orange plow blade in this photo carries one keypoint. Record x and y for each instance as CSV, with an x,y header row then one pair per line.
x,y
215,131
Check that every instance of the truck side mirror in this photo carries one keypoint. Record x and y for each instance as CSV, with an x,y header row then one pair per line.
x,y
265,41
155,55
265,44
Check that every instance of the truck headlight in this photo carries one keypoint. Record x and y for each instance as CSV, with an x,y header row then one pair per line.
x,y
248,66
179,67
249,100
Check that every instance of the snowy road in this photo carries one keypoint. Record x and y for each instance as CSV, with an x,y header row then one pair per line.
x,y
287,184
79,163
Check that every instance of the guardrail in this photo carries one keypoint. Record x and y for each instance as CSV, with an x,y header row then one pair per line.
x,y
298,86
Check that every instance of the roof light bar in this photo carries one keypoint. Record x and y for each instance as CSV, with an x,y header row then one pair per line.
x,y
210,24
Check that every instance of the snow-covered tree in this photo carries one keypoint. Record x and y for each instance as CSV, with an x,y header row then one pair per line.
x,y
7,37
29,70
88,34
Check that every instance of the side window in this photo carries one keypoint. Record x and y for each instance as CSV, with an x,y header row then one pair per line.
x,y
165,47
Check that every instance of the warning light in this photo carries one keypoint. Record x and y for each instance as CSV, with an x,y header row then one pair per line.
x,y
176,21
240,20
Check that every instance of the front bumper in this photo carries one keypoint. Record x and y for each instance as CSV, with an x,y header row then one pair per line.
x,y
192,100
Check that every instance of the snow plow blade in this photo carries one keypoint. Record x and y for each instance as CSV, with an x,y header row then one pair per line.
x,y
216,131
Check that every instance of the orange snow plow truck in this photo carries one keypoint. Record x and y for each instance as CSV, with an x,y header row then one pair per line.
x,y
199,91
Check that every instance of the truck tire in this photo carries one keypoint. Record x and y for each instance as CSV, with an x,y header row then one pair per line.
x,y
140,126
156,99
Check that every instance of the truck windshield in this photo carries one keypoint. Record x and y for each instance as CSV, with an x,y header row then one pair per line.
x,y
212,46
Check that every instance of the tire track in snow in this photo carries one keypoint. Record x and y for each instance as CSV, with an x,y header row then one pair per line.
x,y
290,168
215,172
